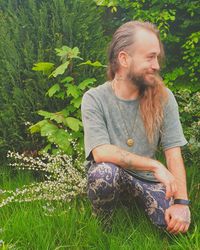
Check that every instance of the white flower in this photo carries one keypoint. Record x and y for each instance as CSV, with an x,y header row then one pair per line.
x,y
65,178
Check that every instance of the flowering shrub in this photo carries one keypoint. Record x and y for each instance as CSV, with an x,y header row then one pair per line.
x,y
64,178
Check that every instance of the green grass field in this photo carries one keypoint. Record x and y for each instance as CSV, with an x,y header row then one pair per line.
x,y
44,225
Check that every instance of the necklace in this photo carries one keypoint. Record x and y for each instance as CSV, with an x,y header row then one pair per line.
x,y
129,141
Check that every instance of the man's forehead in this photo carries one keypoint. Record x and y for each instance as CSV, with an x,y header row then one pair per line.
x,y
146,42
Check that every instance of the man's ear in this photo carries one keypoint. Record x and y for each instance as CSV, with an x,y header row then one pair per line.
x,y
123,59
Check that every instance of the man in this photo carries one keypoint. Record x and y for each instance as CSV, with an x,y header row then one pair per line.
x,y
124,120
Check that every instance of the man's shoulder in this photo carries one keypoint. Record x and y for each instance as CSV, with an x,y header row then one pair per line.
x,y
97,96
99,91
171,98
169,91
171,103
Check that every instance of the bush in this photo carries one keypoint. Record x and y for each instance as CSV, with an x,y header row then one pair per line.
x,y
65,178
30,30
65,125
189,106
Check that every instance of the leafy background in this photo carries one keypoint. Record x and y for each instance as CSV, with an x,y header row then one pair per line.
x,y
51,53
31,30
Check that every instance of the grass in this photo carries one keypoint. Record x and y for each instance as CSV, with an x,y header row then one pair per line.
x,y
42,226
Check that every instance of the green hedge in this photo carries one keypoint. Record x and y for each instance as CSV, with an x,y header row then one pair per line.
x,y
30,30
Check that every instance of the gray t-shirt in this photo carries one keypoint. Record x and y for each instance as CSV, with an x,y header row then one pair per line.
x,y
107,118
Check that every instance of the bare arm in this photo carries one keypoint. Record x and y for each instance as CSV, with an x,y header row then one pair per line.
x,y
177,216
176,167
124,159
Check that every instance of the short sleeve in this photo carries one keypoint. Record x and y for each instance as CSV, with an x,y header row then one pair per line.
x,y
95,130
172,132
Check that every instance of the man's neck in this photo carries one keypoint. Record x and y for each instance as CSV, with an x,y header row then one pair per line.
x,y
124,88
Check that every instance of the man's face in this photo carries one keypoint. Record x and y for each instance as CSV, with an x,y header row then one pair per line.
x,y
143,62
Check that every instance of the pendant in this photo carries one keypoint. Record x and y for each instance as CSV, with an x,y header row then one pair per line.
x,y
130,142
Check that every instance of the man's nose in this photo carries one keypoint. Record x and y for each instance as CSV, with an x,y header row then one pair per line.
x,y
155,64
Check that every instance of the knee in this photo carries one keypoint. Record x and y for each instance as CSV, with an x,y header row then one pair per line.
x,y
104,172
157,211
103,180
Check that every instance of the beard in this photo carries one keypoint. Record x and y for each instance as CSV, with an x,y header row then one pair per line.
x,y
141,82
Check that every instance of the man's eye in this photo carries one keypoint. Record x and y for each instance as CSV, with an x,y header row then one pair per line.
x,y
152,57
149,58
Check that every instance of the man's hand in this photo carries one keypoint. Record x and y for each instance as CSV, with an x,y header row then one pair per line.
x,y
164,176
177,218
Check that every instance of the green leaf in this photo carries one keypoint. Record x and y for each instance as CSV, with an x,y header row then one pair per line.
x,y
67,53
76,102
60,70
73,123
37,127
55,88
45,67
67,79
48,129
114,9
94,64
64,112
46,114
61,95
45,149
86,83
74,53
73,90
195,39
58,117
62,51
53,133
61,138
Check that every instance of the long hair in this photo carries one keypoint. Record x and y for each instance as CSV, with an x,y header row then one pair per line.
x,y
152,98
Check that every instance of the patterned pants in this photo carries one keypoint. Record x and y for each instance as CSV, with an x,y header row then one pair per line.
x,y
108,184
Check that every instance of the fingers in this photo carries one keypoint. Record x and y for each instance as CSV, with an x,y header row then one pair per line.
x,y
171,225
171,189
186,228
168,192
178,228
174,188
175,227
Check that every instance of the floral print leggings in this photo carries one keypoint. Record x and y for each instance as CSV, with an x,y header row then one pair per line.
x,y
108,184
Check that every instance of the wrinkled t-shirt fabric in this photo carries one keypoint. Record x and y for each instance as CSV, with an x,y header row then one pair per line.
x,y
107,118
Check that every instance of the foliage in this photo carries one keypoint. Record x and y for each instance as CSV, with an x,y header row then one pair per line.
x,y
192,56
189,106
64,178
63,126
30,30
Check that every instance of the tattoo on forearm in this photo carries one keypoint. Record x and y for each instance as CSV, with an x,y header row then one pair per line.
x,y
125,159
